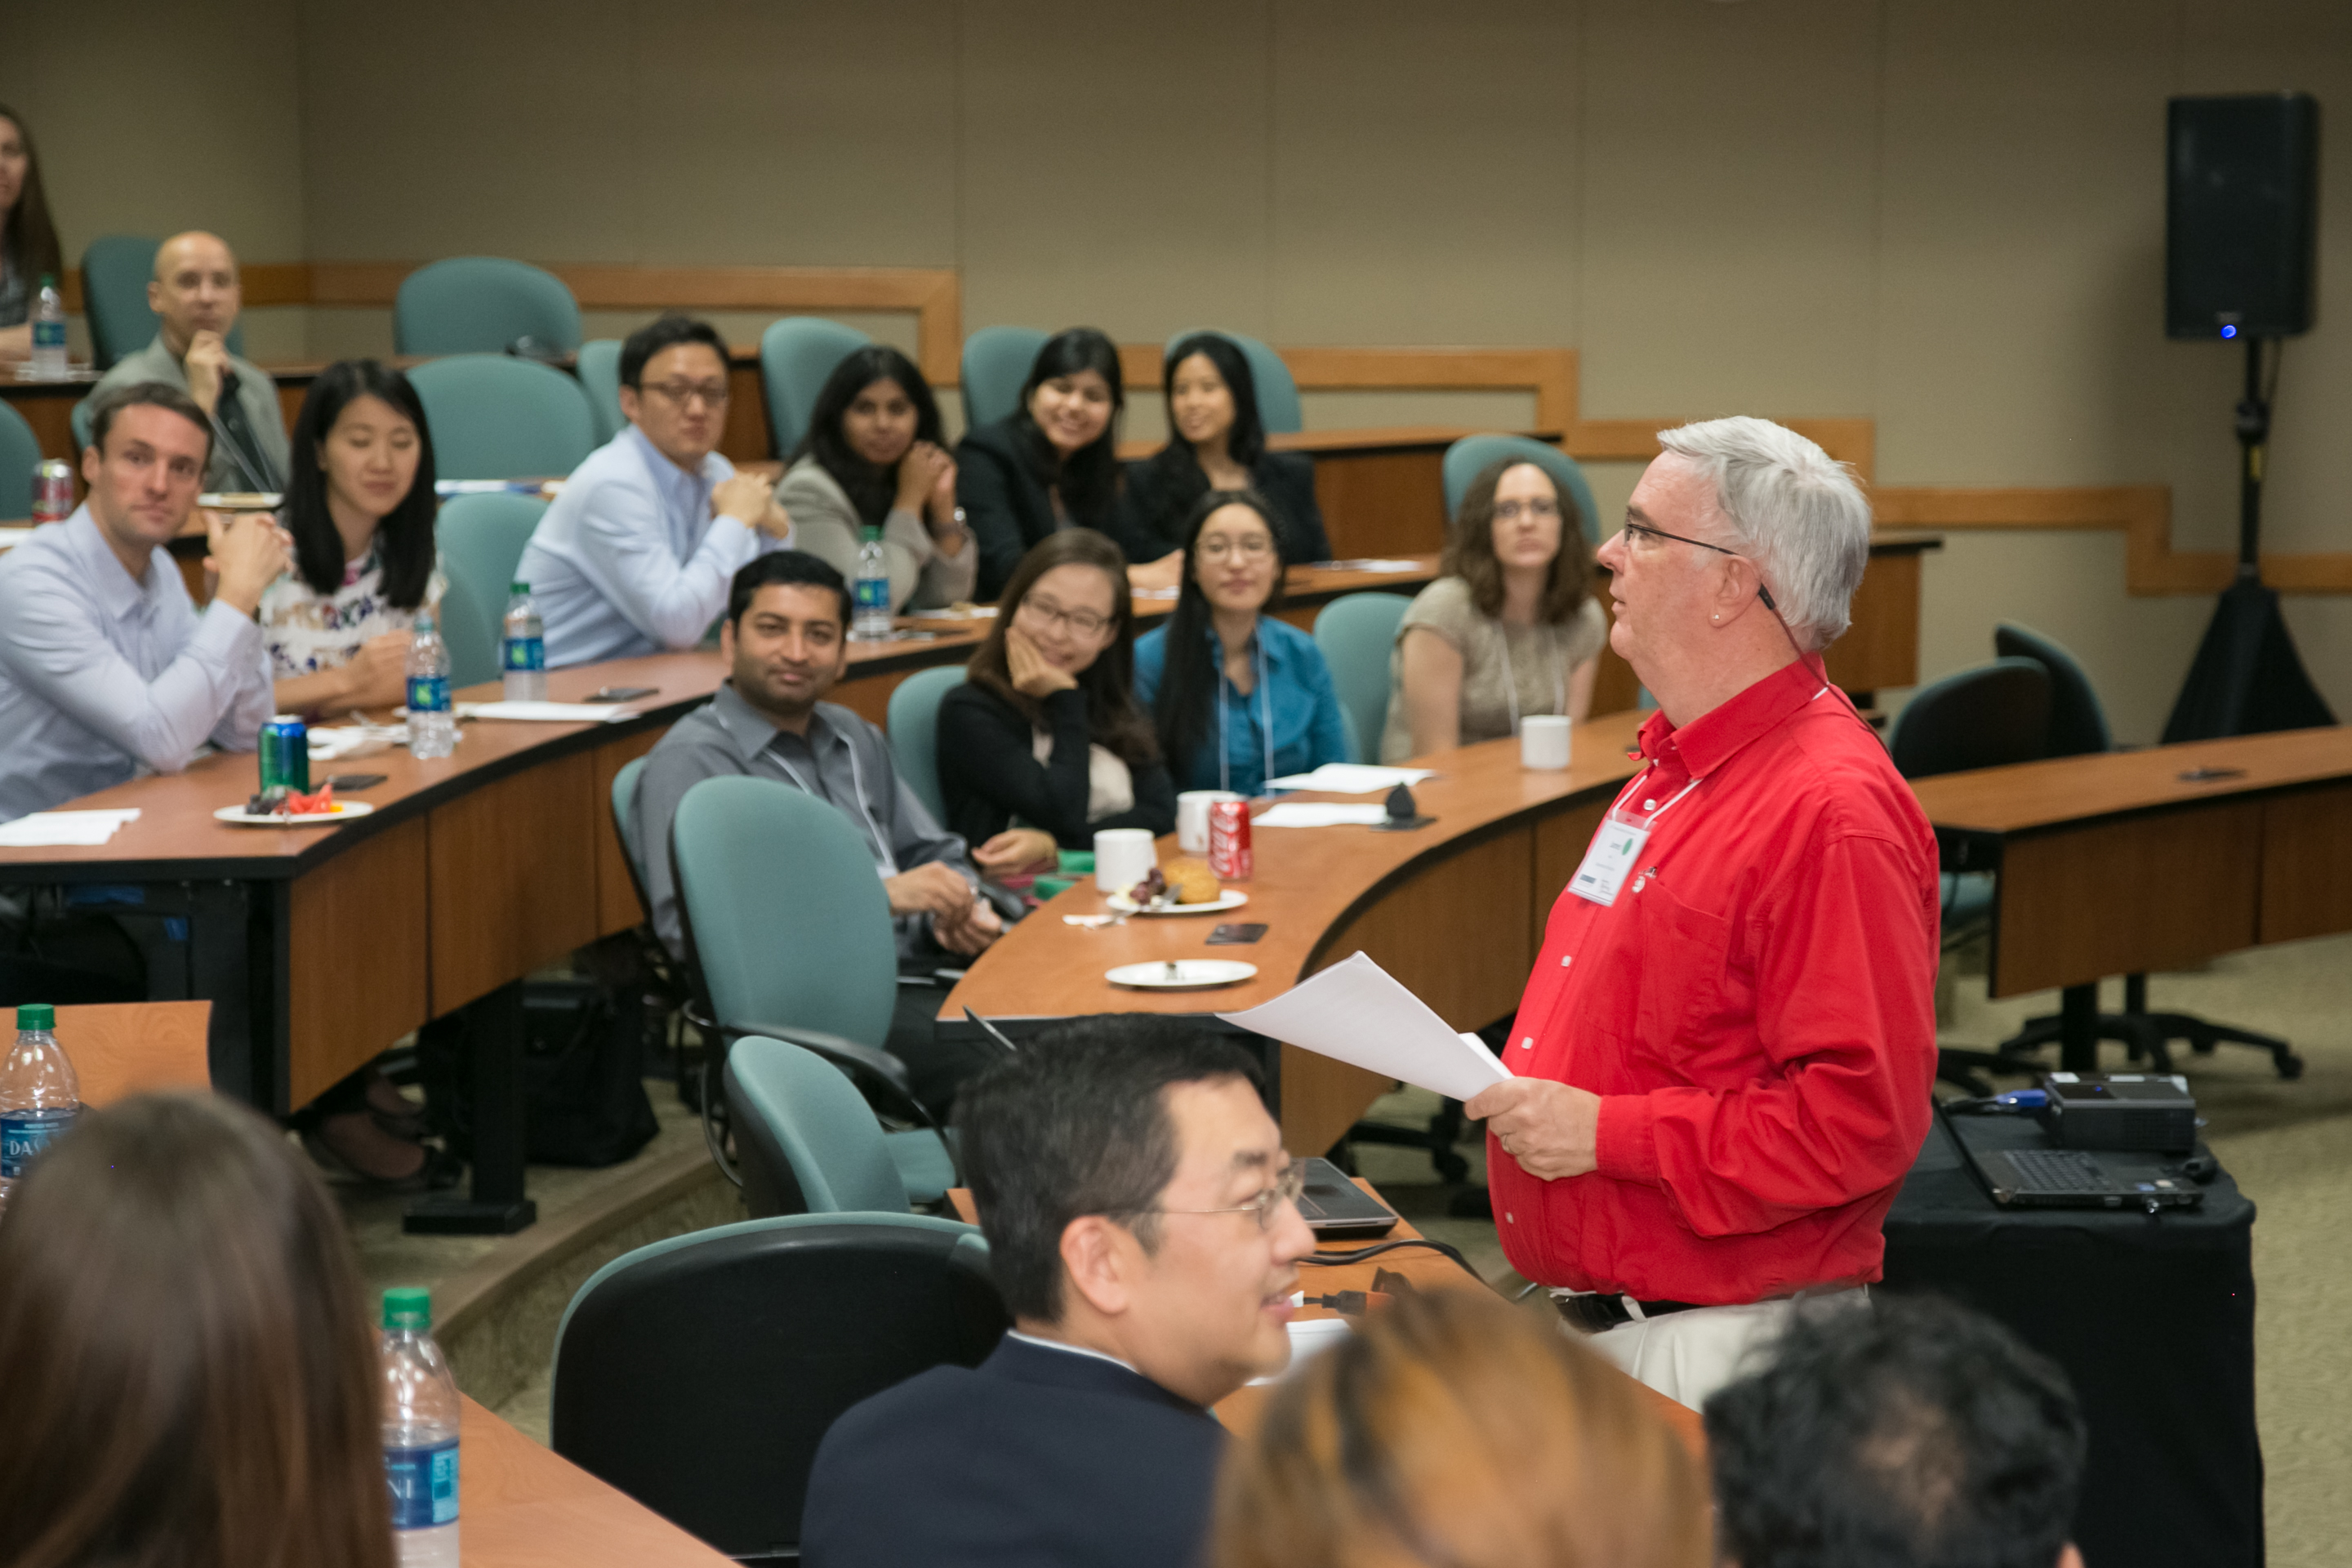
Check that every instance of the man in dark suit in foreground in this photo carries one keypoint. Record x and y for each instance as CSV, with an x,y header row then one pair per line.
x,y
1142,1225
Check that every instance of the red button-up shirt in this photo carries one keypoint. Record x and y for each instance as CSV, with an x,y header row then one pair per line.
x,y
1756,1010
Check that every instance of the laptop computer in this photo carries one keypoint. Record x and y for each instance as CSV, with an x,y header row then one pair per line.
x,y
2019,1168
1336,1209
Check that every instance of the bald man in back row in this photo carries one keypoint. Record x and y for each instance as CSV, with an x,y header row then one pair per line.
x,y
196,293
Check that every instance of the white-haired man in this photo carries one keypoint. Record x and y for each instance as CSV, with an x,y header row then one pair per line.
x,y
1723,1057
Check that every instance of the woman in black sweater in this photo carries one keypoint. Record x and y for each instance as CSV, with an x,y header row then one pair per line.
x,y
1215,441
1051,463
1046,728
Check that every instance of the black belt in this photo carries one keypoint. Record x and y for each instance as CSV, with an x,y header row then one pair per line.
x,y
1592,1314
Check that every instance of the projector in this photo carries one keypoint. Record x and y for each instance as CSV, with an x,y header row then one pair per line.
x,y
2153,1111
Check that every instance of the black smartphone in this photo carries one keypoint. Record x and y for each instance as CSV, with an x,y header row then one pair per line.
x,y
1234,935
347,783
621,693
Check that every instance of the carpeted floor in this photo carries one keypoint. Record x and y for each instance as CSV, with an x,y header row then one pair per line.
x,y
2289,1146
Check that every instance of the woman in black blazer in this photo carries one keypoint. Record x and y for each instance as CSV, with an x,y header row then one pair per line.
x,y
1051,463
1216,442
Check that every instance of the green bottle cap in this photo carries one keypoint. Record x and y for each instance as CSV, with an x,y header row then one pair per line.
x,y
37,1015
872,530
518,587
408,1307
49,279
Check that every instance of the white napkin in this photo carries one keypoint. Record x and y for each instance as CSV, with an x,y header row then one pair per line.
x,y
547,713
1352,778
1320,813
52,827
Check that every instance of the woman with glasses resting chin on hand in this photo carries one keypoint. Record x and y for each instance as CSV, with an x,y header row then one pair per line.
x,y
1238,697
1510,628
1043,745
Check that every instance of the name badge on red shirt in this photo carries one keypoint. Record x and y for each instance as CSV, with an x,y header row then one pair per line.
x,y
1607,860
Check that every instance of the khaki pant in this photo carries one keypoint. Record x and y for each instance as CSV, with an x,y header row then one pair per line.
x,y
1688,1355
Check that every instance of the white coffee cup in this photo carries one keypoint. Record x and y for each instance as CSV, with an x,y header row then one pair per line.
x,y
1123,857
1543,741
1192,817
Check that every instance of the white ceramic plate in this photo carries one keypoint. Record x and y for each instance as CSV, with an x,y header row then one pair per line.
x,y
344,811
1181,975
1230,898
240,501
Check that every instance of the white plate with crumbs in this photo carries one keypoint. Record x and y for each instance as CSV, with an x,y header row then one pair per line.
x,y
1181,975
1231,899
343,811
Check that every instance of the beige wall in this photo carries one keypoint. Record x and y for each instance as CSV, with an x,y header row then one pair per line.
x,y
1945,214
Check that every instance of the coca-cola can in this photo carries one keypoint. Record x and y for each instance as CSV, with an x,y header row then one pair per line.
x,y
52,490
1230,857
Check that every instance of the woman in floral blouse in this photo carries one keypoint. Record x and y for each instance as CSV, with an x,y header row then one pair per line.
x,y
360,506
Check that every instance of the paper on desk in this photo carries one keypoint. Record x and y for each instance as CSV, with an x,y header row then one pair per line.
x,y
1370,565
340,743
547,713
44,828
1319,813
1355,1012
1352,778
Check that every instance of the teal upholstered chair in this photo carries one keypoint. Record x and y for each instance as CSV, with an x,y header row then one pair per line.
x,y
808,1144
1277,392
996,361
1467,457
598,366
914,729
788,935
1356,632
115,272
796,355
481,541
498,417
698,1374
480,304
19,451
80,419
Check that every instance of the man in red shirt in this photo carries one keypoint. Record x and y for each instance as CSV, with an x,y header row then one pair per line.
x,y
1724,1056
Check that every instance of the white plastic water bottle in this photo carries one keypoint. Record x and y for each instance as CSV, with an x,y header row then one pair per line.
x,y
420,1433
432,725
49,332
524,649
872,590
39,1095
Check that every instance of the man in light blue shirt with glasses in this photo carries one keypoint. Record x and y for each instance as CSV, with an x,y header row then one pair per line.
x,y
634,557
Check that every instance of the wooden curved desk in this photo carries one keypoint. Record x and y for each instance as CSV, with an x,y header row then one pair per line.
x,y
1454,910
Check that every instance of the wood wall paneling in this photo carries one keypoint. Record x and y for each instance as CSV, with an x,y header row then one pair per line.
x,y
1454,932
1381,504
358,958
1881,648
513,879
2308,864
2160,891
1561,840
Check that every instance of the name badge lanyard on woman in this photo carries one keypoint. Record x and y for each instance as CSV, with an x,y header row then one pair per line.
x,y
883,859
1618,844
1511,676
1264,722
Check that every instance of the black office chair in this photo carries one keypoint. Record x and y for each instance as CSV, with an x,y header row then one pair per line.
x,y
700,1374
1992,715
2078,727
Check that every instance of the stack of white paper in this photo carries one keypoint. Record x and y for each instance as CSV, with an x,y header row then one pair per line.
x,y
338,743
1371,564
44,828
1319,813
1352,778
547,713
1355,1012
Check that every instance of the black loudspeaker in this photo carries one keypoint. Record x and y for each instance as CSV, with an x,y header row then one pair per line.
x,y
2241,215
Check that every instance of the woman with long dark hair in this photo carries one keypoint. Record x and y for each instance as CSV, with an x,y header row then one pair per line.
x,y
1215,442
29,239
1238,697
1511,625
1045,729
1053,462
185,1347
875,457
360,506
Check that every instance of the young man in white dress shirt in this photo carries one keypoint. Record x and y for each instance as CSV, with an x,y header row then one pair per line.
x,y
634,557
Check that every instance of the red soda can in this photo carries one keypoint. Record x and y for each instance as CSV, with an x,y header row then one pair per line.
x,y
1230,857
52,490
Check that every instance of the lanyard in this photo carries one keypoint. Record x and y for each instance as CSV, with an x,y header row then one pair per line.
x,y
882,856
1265,718
1651,819
1511,679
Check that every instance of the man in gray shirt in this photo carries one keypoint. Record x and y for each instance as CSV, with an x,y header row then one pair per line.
x,y
197,294
785,640
106,665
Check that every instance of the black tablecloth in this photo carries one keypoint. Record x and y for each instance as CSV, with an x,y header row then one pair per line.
x,y
2153,1319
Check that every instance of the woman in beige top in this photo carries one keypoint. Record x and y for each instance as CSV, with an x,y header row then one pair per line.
x,y
874,457
1509,629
